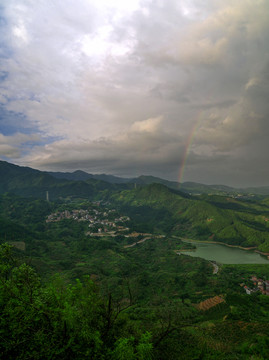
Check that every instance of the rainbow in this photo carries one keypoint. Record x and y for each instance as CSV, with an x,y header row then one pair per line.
x,y
188,147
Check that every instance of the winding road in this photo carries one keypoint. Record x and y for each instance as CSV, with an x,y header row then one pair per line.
x,y
137,242
216,268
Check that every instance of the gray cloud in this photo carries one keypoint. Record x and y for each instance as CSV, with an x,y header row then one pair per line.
x,y
245,122
11,146
144,148
132,90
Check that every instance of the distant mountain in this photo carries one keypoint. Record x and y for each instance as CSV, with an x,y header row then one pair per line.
x,y
73,176
187,187
262,190
146,180
25,181
29,182
14,177
79,175
196,188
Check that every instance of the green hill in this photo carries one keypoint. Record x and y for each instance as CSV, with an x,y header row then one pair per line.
x,y
215,218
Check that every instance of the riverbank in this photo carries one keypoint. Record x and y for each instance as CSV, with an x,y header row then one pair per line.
x,y
262,253
253,248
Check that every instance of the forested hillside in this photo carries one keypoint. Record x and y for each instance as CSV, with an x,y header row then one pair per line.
x,y
144,302
215,218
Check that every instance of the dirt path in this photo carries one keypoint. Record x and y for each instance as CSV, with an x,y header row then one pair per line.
x,y
216,268
137,242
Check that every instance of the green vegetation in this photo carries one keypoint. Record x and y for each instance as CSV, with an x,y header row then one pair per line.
x,y
232,219
98,276
116,302
216,218
61,321
137,305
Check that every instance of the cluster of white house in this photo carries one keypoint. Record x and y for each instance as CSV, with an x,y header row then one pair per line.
x,y
94,217
259,286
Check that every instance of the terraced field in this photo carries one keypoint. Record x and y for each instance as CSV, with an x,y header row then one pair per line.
x,y
209,303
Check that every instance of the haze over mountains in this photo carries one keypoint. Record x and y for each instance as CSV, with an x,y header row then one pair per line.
x,y
187,186
14,177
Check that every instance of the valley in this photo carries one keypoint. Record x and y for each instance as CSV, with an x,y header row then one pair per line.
x,y
98,264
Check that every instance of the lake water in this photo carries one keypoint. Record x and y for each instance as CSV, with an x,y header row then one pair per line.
x,y
225,255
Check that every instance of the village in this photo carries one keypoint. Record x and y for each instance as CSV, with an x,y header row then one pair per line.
x,y
101,220
257,285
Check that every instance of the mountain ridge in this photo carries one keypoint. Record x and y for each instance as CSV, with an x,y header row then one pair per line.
x,y
9,171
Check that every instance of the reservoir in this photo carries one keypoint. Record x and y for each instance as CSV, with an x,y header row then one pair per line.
x,y
224,254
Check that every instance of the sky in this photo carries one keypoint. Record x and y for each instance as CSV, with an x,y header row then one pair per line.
x,y
177,89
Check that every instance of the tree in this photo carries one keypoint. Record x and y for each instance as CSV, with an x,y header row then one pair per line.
x,y
62,321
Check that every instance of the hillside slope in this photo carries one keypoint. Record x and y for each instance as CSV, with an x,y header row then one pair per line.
x,y
215,218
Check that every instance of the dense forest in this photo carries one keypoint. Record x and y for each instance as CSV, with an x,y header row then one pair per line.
x,y
145,306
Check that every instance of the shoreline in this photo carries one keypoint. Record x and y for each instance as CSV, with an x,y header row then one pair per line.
x,y
253,248
262,253
182,250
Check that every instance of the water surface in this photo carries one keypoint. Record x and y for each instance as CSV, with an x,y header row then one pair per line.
x,y
225,255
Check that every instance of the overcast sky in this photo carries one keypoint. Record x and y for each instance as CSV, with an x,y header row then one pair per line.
x,y
137,87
